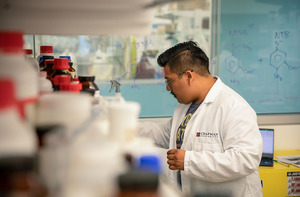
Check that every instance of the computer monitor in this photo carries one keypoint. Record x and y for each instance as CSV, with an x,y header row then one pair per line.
x,y
268,147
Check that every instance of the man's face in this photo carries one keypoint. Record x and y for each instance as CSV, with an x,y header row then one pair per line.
x,y
178,86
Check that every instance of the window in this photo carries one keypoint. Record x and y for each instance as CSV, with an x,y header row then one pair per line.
x,y
132,59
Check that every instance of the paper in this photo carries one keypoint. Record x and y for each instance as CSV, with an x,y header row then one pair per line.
x,y
290,159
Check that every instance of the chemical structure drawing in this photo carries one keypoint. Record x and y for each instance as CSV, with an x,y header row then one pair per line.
x,y
232,64
278,59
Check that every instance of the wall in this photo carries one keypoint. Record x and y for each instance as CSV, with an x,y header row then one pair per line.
x,y
287,137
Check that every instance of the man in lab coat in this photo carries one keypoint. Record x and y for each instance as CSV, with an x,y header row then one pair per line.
x,y
213,138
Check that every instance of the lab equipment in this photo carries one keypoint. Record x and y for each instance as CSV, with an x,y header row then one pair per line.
x,y
45,85
72,70
31,60
61,67
46,53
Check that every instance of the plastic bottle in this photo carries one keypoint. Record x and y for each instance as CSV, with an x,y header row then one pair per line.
x,y
48,68
64,108
123,118
118,97
14,66
46,53
45,85
61,67
18,147
72,70
32,61
89,86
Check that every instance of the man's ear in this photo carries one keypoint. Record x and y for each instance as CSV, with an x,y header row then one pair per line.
x,y
189,76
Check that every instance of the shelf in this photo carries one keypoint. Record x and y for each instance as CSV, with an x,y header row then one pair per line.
x,y
74,17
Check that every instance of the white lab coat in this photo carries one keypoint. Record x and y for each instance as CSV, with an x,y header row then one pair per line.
x,y
222,142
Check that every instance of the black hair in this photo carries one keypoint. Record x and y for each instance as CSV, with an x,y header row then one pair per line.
x,y
185,56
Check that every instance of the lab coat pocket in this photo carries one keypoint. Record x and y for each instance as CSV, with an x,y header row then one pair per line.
x,y
212,144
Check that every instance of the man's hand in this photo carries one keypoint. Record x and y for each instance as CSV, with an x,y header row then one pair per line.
x,y
176,159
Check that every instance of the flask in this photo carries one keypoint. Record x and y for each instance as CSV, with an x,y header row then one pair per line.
x,y
46,53
72,70
89,86
48,67
31,60
61,67
18,147
14,66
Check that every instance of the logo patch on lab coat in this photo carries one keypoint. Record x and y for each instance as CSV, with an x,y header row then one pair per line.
x,y
207,134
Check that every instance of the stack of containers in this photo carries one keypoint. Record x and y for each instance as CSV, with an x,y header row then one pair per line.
x,y
25,77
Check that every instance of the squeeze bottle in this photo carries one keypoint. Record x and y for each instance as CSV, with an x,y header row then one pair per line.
x,y
14,66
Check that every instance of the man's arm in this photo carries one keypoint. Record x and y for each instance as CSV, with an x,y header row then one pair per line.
x,y
159,133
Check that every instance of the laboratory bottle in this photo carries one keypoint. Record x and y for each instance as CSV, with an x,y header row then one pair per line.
x,y
123,119
144,69
63,108
46,53
71,87
59,80
76,80
18,148
45,85
31,60
138,183
89,86
61,67
72,70
52,157
14,66
49,64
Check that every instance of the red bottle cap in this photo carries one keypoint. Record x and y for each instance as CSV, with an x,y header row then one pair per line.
x,y
46,49
11,42
75,79
61,79
61,63
7,92
71,87
28,51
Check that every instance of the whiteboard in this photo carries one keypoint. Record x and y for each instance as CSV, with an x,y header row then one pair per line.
x,y
259,53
